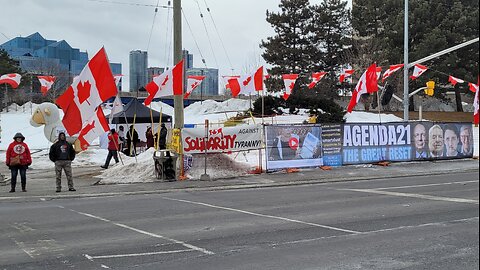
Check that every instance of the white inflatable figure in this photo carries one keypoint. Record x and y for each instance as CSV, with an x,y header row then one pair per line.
x,y
49,115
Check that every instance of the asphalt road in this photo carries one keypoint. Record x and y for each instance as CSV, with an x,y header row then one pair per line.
x,y
403,223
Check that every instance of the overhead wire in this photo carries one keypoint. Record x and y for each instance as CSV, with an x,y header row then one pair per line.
x,y
219,36
166,52
129,4
153,24
208,35
194,38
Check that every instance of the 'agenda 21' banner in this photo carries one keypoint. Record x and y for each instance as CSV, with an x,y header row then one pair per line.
x,y
368,143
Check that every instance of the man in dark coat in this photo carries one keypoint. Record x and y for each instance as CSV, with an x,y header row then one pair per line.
x,y
62,153
132,140
163,137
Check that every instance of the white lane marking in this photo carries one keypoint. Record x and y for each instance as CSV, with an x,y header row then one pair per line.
x,y
263,215
145,232
442,223
138,254
104,266
427,185
29,251
413,195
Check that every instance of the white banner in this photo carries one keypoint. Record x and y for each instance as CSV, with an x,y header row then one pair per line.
x,y
222,140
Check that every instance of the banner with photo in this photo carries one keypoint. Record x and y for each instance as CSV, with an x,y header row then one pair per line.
x,y
368,143
222,140
332,144
293,146
432,141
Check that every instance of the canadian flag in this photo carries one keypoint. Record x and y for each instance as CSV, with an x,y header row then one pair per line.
x,y
316,78
117,78
473,87
169,83
366,85
345,74
12,79
418,71
226,78
46,83
95,127
90,89
391,70
192,83
289,80
247,84
454,80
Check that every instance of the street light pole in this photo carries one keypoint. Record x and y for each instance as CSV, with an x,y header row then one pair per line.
x,y
405,69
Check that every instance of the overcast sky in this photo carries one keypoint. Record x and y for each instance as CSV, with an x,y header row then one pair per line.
x,y
91,24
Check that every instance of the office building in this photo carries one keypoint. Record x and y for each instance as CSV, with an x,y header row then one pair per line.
x,y
39,55
153,72
209,86
138,69
188,59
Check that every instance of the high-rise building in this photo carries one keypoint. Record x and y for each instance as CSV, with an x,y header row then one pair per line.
x,y
209,86
38,55
138,69
188,59
153,72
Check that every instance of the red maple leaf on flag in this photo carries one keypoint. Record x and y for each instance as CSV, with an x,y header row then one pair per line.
x,y
83,91
194,85
247,81
12,75
165,81
292,85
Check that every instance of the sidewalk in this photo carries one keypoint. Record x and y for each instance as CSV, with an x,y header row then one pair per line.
x,y
41,183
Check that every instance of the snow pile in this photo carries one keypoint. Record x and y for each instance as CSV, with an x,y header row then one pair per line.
x,y
212,106
364,117
221,166
140,170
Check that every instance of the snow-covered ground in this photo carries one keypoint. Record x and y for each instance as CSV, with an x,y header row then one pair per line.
x,y
141,169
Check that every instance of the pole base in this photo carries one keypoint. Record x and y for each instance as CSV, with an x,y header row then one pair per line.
x,y
205,177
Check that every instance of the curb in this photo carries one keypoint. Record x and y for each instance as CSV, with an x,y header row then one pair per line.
x,y
229,187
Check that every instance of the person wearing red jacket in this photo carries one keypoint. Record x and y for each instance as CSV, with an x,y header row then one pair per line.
x,y
18,159
112,148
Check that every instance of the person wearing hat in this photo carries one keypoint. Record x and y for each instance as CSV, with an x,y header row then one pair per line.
x,y
112,148
62,153
18,159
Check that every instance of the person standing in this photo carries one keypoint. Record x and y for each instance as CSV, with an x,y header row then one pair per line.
x,y
62,153
18,159
150,138
112,148
163,138
132,140
121,138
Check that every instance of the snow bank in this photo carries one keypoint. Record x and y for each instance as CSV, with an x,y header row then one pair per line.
x,y
364,117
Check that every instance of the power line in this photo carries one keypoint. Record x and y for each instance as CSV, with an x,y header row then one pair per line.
x,y
194,39
219,36
208,35
153,24
166,52
129,4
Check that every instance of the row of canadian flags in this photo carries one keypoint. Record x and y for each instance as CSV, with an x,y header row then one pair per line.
x,y
81,102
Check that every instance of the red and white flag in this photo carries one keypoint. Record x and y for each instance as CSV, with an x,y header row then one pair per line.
x,y
345,74
192,83
289,80
117,78
367,84
248,84
90,89
169,83
12,79
95,127
454,81
316,78
391,70
473,87
117,107
418,71
46,83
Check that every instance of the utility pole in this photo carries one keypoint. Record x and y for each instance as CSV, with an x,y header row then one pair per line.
x,y
177,56
405,69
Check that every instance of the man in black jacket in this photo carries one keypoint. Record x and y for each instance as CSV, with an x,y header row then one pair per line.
x,y
62,153
163,137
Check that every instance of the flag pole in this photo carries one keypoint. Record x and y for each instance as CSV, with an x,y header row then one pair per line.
x,y
159,129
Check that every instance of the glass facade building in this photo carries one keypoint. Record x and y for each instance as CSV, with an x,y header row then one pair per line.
x,y
138,69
